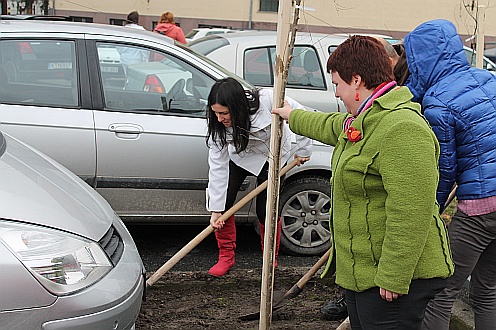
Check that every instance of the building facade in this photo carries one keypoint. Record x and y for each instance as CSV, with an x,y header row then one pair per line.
x,y
395,18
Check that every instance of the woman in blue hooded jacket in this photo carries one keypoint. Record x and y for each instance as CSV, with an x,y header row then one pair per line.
x,y
460,104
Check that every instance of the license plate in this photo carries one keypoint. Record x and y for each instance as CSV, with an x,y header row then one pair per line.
x,y
112,69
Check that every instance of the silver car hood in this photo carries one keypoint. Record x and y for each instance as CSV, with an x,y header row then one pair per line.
x,y
36,189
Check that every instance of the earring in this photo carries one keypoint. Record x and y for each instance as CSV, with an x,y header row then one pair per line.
x,y
357,97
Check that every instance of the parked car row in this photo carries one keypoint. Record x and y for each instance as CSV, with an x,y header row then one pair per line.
x,y
125,110
203,32
251,55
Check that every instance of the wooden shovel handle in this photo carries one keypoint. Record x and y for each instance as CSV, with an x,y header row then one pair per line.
x,y
345,325
207,231
296,289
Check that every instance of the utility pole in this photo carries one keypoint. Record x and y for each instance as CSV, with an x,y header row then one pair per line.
x,y
250,19
480,21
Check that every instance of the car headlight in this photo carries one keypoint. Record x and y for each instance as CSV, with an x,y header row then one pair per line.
x,y
62,262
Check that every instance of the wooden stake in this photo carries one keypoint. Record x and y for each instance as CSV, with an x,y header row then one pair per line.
x,y
283,53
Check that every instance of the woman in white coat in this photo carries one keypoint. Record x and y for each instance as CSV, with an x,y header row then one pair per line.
x,y
238,138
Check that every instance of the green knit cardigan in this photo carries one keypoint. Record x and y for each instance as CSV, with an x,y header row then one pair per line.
x,y
385,223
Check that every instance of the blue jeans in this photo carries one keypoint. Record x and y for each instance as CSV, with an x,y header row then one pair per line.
x,y
367,310
473,245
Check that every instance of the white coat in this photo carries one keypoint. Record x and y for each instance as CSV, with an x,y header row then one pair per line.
x,y
256,153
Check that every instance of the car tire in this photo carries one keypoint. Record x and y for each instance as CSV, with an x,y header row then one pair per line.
x,y
304,210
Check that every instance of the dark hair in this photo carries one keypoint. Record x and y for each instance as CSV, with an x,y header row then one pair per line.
x,y
230,93
401,71
363,56
133,17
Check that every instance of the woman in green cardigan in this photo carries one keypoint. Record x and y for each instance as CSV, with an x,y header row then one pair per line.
x,y
390,244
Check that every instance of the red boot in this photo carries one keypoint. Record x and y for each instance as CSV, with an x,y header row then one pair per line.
x,y
226,241
278,238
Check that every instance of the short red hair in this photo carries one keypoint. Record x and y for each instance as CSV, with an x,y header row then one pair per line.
x,y
363,56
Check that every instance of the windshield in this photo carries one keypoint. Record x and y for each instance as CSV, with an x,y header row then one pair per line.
x,y
227,73
207,45
191,33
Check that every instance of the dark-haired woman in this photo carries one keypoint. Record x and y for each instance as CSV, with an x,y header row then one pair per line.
x,y
238,138
390,245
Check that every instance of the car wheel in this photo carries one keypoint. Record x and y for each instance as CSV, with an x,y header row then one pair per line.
x,y
304,209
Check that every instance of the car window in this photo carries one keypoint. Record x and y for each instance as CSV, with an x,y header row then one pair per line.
x,y
191,33
471,57
138,79
331,49
214,32
304,71
257,67
38,72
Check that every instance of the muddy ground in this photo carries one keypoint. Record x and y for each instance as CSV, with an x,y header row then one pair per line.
x,y
195,300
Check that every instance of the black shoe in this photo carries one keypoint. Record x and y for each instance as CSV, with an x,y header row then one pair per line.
x,y
335,310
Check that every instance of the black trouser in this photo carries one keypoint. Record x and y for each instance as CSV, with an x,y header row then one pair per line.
x,y
236,177
473,246
367,310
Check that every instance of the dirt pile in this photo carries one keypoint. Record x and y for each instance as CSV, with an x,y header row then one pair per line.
x,y
195,300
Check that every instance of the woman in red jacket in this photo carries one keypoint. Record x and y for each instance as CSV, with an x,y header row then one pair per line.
x,y
168,27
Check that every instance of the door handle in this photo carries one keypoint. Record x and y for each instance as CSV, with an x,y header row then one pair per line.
x,y
126,131
126,128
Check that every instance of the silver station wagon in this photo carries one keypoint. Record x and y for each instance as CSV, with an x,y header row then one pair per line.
x,y
125,110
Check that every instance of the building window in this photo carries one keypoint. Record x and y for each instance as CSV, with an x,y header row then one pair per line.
x,y
117,21
82,19
269,5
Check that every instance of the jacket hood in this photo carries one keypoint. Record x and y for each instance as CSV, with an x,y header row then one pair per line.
x,y
165,27
433,51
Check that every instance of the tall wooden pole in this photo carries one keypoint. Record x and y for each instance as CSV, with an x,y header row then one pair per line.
x,y
283,53
481,19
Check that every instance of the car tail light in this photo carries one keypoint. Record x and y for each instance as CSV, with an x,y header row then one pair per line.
x,y
153,84
25,48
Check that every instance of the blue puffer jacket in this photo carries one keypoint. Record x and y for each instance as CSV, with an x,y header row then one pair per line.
x,y
460,104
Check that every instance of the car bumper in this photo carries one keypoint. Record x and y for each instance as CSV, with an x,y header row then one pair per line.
x,y
121,316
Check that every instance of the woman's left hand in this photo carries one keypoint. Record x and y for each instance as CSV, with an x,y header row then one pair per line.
x,y
301,160
284,112
388,295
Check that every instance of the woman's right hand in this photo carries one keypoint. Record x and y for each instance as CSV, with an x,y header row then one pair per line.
x,y
284,112
215,222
